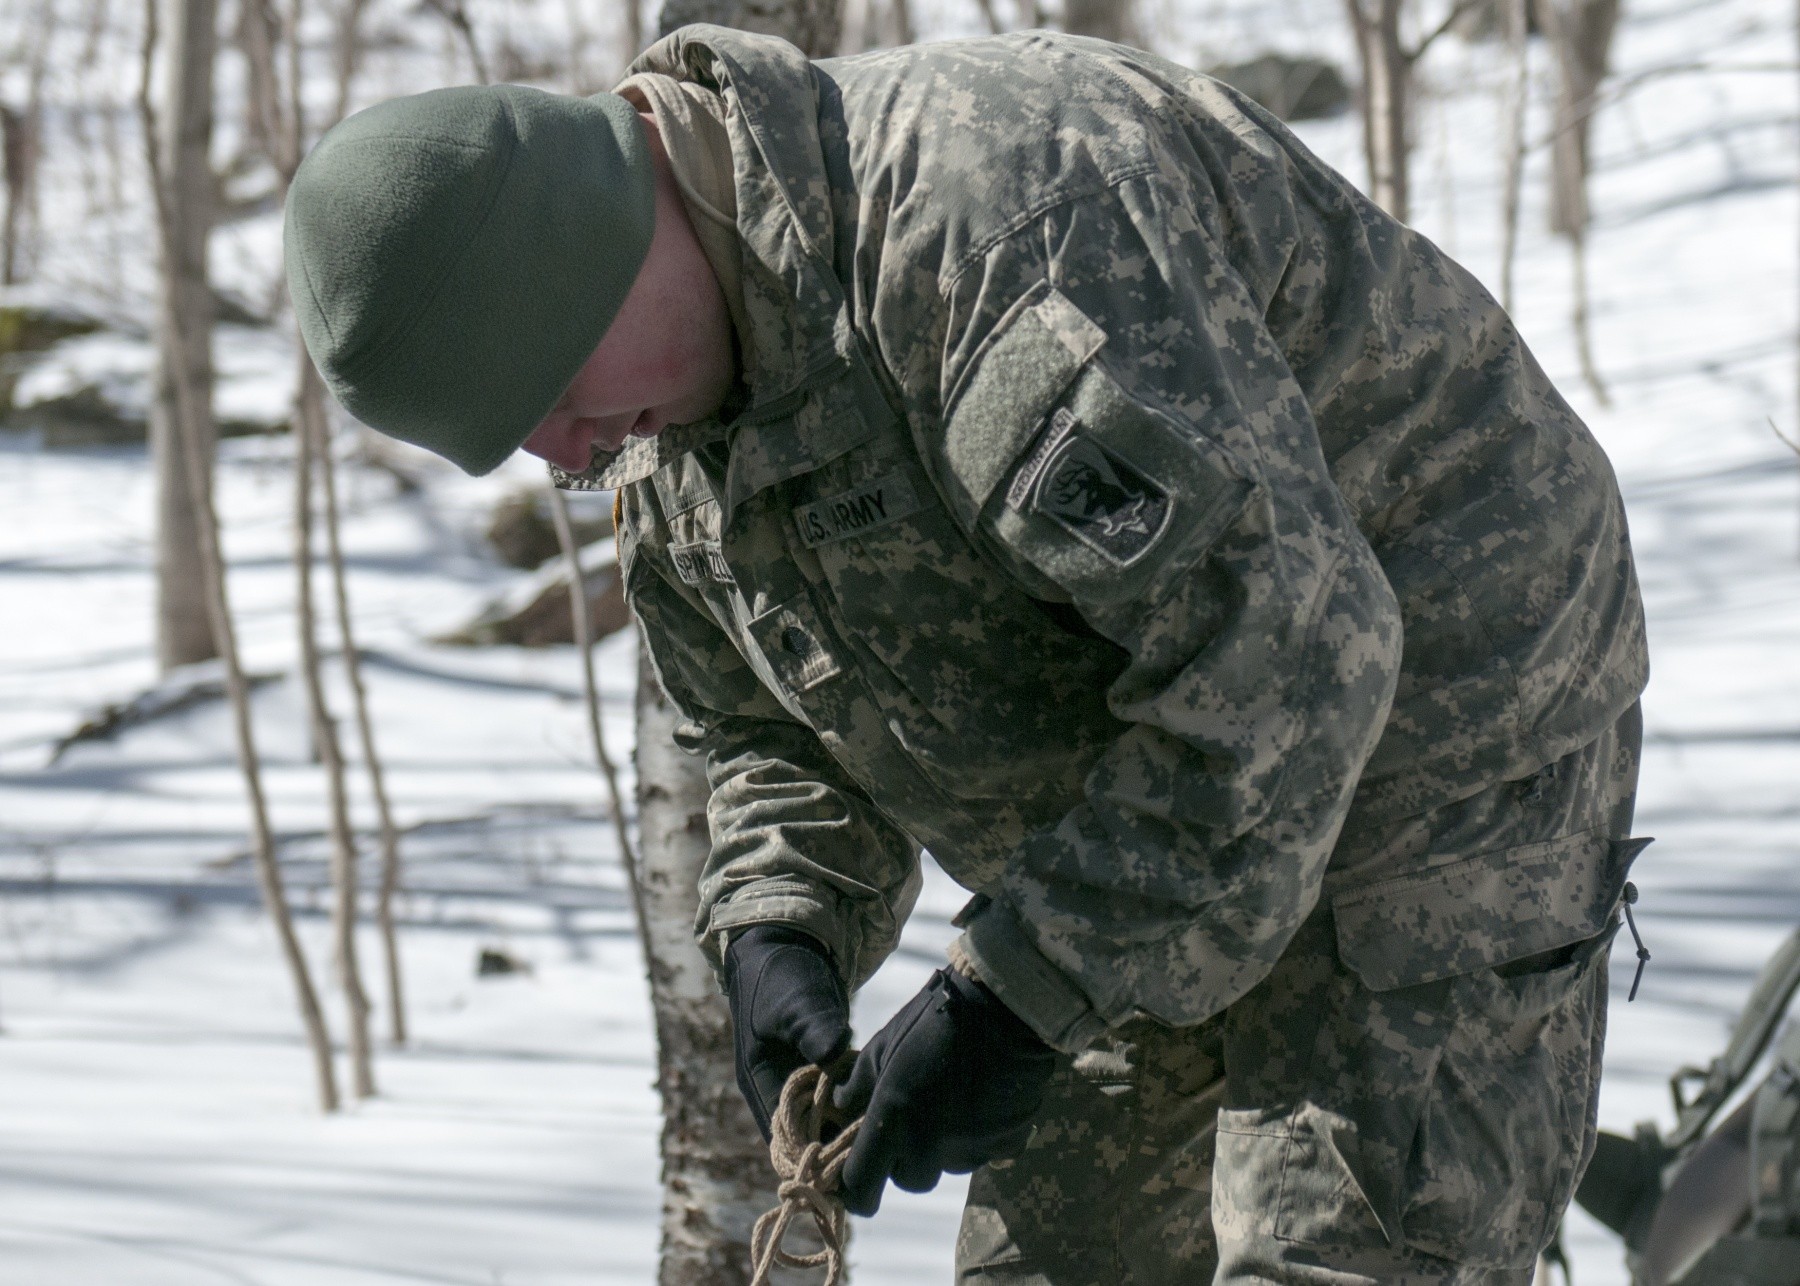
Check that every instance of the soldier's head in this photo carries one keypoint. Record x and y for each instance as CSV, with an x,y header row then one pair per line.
x,y
486,268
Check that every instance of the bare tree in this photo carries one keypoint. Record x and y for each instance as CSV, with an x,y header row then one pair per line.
x,y
346,52
180,143
1114,20
280,126
457,15
1580,32
387,832
813,25
900,28
1388,63
346,59
20,132
582,627
21,146
1517,18
188,423
309,437
715,1171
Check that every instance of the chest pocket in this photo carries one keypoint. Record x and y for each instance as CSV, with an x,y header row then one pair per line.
x,y
1107,497
997,706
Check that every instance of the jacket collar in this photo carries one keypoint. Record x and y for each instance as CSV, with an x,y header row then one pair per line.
x,y
802,361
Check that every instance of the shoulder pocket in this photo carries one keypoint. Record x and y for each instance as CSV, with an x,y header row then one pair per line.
x,y
1104,494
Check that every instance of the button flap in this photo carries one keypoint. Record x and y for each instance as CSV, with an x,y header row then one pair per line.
x,y
1480,911
793,639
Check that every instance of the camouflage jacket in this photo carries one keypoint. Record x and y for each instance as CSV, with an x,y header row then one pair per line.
x,y
1120,506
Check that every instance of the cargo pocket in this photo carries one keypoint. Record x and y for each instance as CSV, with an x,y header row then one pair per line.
x,y
1297,1176
1510,1108
1519,937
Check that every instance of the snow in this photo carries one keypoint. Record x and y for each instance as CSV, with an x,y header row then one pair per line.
x,y
158,1125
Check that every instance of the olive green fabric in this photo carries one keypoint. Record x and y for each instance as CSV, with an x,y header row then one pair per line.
x,y
455,256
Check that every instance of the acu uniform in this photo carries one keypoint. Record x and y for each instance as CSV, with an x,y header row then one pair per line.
x,y
1197,563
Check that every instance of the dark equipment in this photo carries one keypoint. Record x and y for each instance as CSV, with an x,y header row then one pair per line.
x,y
1720,1206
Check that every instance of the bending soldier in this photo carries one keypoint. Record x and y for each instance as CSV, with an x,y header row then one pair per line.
x,y
1027,450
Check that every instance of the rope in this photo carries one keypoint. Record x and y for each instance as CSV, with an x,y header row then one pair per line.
x,y
809,1172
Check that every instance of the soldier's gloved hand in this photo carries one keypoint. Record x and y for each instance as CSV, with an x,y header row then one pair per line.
x,y
788,1008
951,1082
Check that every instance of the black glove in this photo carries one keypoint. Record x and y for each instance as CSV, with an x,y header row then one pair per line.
x,y
788,1008
951,1082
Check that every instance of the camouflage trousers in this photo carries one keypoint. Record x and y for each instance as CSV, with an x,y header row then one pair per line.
x,y
1320,1133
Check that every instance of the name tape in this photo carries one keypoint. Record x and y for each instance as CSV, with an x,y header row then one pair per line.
x,y
888,498
701,563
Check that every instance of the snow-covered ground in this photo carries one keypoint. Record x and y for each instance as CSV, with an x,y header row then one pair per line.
x,y
155,1104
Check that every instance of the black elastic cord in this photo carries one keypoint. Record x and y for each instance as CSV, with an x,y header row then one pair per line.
x,y
1643,952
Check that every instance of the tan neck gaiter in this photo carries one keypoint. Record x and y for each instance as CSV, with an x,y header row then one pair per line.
x,y
691,120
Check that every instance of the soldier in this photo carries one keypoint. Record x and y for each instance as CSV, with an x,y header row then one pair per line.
x,y
1026,449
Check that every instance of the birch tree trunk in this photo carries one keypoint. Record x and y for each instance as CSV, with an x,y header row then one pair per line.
x,y
716,1174
715,1168
185,329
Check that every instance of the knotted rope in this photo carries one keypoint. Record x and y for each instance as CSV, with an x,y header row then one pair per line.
x,y
809,1171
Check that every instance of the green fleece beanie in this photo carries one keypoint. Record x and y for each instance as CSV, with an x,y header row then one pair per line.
x,y
455,256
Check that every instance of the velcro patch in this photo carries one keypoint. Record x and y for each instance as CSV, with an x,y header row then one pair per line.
x,y
701,563
1089,491
861,509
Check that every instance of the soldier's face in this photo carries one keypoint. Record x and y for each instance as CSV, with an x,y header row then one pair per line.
x,y
666,359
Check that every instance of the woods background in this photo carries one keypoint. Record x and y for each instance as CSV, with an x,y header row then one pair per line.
x,y
314,796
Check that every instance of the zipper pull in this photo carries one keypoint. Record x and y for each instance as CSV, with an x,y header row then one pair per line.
x,y
1630,895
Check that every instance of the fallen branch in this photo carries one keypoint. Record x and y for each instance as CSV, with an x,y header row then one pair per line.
x,y
195,685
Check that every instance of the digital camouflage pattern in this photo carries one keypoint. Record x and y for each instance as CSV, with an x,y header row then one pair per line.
x,y
1324,1131
1124,508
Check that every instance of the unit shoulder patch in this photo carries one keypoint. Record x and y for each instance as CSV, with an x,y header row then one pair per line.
x,y
1090,491
876,503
